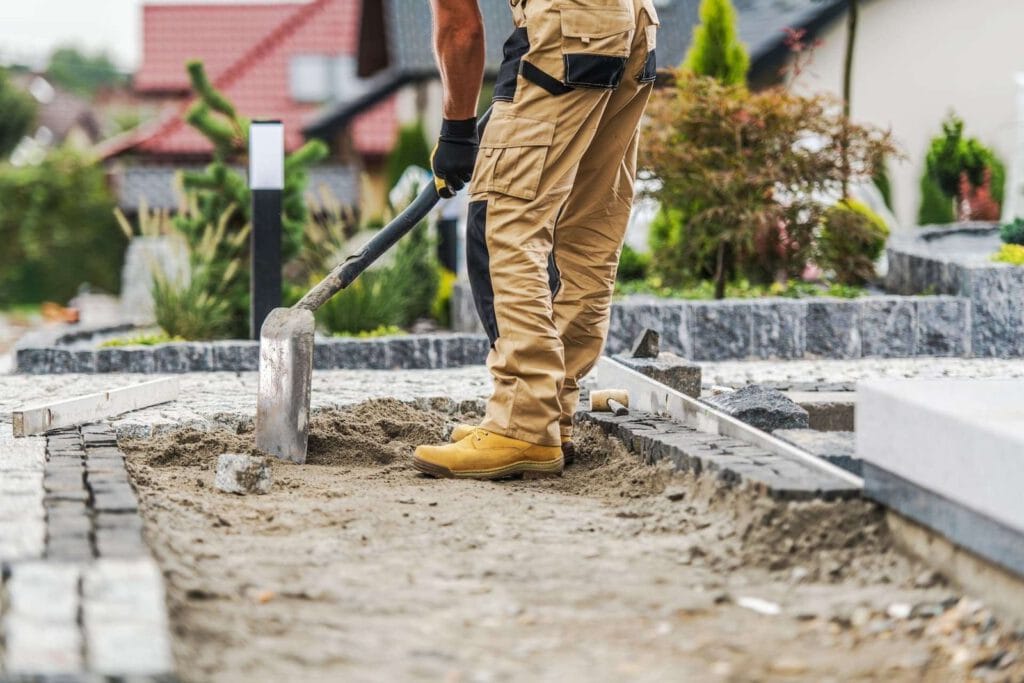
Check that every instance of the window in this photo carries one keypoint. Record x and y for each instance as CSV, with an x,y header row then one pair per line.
x,y
324,78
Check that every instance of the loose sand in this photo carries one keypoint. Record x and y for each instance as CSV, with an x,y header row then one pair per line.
x,y
355,567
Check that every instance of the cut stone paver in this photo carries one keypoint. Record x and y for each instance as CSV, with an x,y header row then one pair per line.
x,y
766,409
240,473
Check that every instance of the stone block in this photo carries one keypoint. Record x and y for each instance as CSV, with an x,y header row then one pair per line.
x,y
242,474
140,360
778,329
356,354
236,356
832,328
997,314
43,591
411,352
721,330
115,501
960,439
183,357
32,361
888,327
669,369
765,409
646,344
62,361
476,349
85,360
836,447
73,548
39,648
667,317
323,354
112,360
943,327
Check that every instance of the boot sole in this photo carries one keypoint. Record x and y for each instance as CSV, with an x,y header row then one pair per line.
x,y
552,468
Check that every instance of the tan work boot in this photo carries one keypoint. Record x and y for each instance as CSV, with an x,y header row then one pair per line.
x,y
461,431
486,455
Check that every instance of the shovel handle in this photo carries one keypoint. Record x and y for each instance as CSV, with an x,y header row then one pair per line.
x,y
348,270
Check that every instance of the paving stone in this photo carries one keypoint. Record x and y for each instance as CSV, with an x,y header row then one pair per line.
x,y
68,526
669,369
778,329
71,548
118,520
833,328
35,647
21,482
646,345
836,447
183,357
943,326
888,327
765,409
236,356
242,474
20,507
720,329
732,461
115,502
44,591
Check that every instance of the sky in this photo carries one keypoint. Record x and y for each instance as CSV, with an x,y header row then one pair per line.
x,y
31,29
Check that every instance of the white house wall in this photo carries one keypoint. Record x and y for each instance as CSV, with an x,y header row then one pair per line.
x,y
918,59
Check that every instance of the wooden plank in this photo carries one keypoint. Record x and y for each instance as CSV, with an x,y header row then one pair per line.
x,y
43,417
651,396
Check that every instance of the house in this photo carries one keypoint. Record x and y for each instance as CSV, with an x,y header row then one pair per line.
x,y
913,63
62,119
349,72
281,61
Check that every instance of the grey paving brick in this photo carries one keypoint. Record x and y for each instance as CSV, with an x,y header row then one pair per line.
x,y
833,328
46,591
720,329
35,647
778,329
115,502
943,326
72,548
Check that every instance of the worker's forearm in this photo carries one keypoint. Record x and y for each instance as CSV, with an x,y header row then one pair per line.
x,y
459,44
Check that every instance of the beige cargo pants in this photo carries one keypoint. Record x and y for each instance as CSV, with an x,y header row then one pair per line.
x,y
550,198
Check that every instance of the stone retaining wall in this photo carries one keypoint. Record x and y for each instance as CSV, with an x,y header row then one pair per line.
x,y
995,291
735,329
408,352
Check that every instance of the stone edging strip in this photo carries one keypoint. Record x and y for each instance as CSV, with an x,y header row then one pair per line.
x,y
83,595
407,352
655,439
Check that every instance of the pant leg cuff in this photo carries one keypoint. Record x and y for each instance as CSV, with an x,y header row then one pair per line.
x,y
521,435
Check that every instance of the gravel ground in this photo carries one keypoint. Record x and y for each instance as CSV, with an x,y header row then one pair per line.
x,y
833,372
355,567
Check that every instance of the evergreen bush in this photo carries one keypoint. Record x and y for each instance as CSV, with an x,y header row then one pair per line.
x,y
716,49
411,149
17,113
1013,233
851,240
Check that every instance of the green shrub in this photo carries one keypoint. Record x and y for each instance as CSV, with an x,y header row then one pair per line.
x,y
851,240
1010,253
883,182
1013,233
716,49
382,331
633,265
141,340
376,299
951,155
57,230
411,149
936,208
416,258
197,307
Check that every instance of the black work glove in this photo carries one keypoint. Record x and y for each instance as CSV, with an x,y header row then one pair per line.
x,y
454,155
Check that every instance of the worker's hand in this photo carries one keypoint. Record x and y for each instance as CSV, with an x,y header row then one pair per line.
x,y
454,155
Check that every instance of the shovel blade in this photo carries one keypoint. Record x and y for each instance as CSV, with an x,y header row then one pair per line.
x,y
286,374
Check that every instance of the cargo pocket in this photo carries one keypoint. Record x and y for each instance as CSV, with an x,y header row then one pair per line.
x,y
595,45
650,71
512,156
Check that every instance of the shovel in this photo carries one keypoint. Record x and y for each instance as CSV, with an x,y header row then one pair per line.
x,y
286,338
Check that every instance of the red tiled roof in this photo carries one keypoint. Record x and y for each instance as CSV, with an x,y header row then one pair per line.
x,y
246,50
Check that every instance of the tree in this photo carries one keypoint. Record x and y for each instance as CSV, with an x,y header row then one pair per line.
x,y
737,162
80,73
219,187
57,229
716,50
17,113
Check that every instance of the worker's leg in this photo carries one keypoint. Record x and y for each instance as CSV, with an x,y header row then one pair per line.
x,y
592,225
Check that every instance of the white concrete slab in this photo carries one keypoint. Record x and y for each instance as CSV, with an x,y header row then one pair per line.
x,y
960,439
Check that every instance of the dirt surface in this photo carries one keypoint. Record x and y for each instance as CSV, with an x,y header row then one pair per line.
x,y
355,567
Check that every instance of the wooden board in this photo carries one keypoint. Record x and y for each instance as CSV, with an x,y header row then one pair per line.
x,y
43,417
